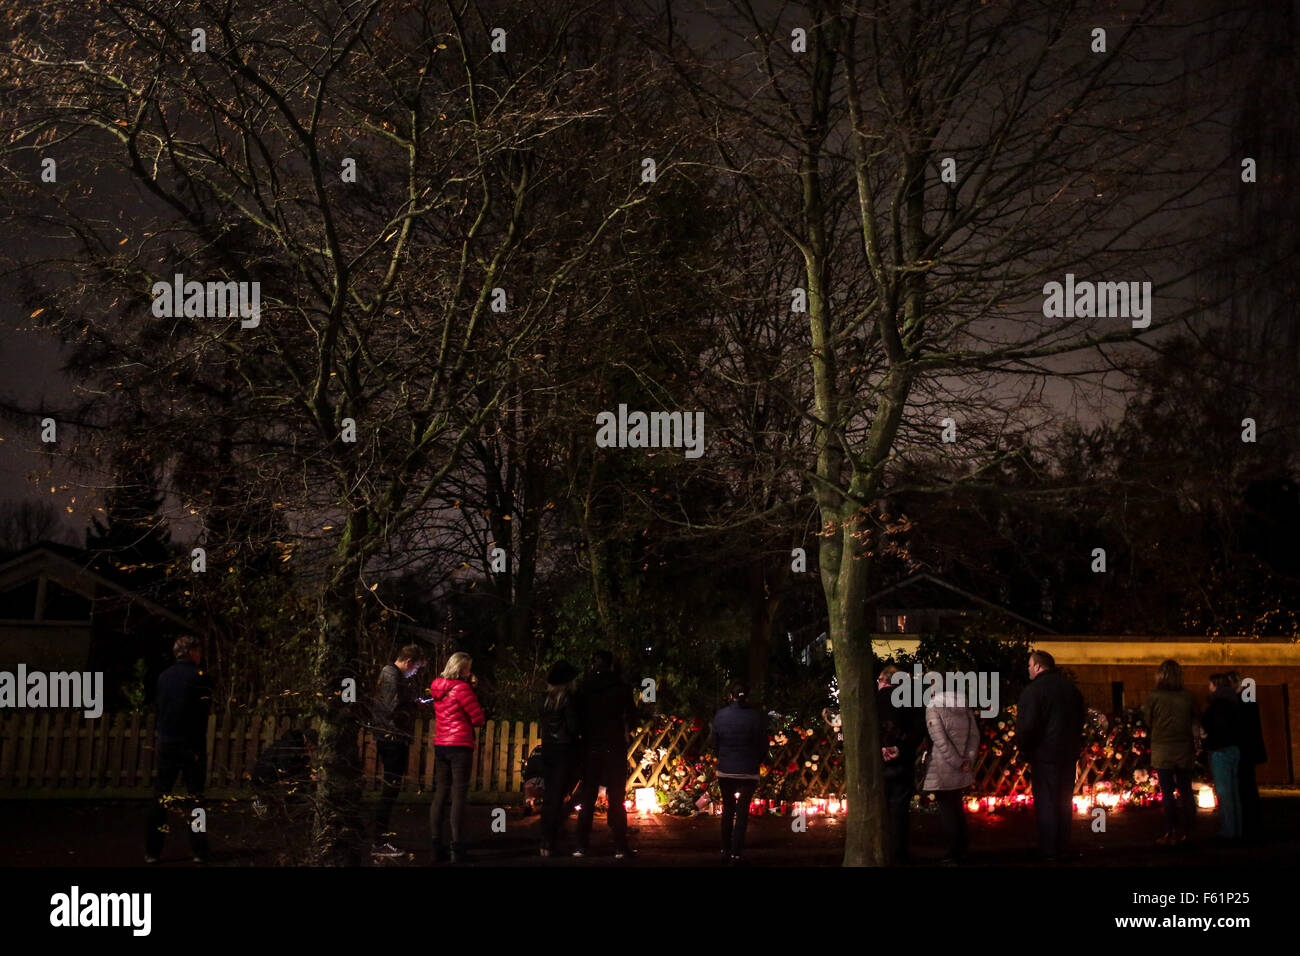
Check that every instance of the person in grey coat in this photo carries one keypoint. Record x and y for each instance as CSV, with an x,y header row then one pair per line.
x,y
949,771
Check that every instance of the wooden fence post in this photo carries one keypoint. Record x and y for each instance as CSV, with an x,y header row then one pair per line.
x,y
131,753
484,753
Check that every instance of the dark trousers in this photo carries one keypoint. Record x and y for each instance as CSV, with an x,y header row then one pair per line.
x,y
560,771
900,785
451,784
1180,812
736,797
177,761
1252,812
603,767
953,817
393,754
1053,787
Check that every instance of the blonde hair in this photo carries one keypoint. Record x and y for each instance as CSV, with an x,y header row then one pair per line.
x,y
455,664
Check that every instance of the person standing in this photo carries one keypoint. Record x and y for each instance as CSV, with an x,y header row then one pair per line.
x,y
184,703
900,734
1253,753
560,750
393,718
1171,714
954,745
1049,735
456,714
606,714
1222,724
740,740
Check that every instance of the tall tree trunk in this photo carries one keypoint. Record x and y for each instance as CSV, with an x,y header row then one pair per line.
x,y
597,554
865,831
337,837
762,610
530,528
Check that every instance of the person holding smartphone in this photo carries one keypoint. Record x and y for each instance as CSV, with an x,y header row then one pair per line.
x,y
393,719
456,714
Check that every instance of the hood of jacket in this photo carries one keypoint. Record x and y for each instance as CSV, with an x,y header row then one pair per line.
x,y
951,699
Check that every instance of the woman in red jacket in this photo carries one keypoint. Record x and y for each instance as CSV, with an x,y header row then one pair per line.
x,y
456,713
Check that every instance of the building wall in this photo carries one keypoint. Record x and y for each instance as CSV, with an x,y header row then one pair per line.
x,y
1098,662
44,647
1280,720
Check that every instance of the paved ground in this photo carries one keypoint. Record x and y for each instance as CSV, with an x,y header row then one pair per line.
x,y
77,833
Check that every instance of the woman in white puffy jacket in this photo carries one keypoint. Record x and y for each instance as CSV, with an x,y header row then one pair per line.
x,y
949,770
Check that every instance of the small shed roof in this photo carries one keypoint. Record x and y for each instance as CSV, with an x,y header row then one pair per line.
x,y
71,568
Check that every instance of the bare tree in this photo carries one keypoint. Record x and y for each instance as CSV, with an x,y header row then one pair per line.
x,y
398,187
27,522
932,165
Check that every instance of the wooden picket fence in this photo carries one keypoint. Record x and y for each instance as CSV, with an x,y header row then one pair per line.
x,y
65,754
60,753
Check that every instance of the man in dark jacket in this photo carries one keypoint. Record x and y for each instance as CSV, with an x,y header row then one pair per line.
x,y
901,729
184,702
1049,734
606,715
392,715
739,738
1251,734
